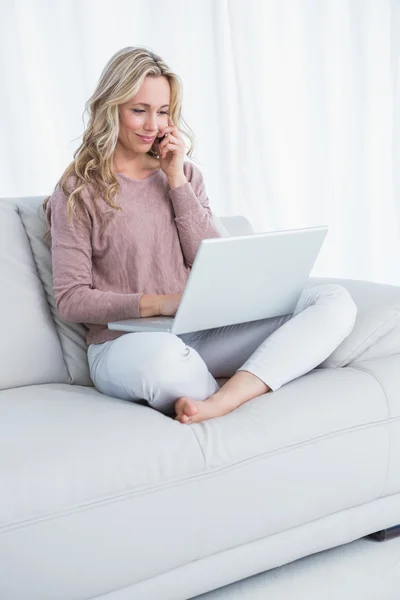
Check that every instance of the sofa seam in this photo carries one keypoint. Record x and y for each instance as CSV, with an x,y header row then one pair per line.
x,y
200,446
389,418
197,476
393,352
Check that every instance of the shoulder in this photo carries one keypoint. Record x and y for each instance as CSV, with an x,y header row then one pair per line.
x,y
85,195
59,200
60,193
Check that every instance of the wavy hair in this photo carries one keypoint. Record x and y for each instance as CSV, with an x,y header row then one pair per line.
x,y
120,80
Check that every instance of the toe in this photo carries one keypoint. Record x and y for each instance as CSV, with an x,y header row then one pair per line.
x,y
179,406
179,418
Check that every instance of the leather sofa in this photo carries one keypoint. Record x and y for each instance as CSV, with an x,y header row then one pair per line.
x,y
104,498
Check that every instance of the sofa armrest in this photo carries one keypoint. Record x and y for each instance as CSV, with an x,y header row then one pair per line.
x,y
366,294
235,225
376,332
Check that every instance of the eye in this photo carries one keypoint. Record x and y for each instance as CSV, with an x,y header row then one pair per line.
x,y
137,110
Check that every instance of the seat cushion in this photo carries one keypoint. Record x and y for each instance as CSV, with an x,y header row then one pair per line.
x,y
30,351
90,481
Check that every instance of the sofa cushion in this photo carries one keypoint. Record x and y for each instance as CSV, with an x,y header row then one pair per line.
x,y
376,332
30,351
233,226
113,482
71,335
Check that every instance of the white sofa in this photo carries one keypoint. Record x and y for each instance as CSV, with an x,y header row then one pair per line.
x,y
104,498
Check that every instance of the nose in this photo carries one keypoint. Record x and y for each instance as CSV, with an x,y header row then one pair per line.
x,y
151,123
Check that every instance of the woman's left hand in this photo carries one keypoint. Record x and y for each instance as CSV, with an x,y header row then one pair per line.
x,y
171,151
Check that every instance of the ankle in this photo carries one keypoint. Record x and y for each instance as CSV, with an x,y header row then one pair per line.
x,y
244,381
240,388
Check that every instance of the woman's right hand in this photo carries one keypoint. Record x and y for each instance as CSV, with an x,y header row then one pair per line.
x,y
168,304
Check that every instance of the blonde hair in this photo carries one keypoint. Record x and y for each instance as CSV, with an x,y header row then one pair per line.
x,y
121,79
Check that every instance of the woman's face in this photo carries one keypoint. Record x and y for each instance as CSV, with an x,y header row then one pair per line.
x,y
146,114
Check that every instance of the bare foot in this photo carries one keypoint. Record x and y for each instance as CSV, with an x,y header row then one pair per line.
x,y
194,411
240,388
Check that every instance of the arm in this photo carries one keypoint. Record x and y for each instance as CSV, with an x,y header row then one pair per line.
x,y
76,300
150,305
193,216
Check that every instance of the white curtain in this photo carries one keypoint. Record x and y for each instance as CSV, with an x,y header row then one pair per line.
x,y
294,105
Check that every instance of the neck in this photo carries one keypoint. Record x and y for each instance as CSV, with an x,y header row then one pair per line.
x,y
127,160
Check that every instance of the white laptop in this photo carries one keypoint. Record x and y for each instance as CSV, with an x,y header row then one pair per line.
x,y
239,279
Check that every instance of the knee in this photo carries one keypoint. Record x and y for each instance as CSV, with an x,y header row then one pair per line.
x,y
344,308
145,354
160,355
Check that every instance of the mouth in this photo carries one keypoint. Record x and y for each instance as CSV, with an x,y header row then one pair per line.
x,y
146,140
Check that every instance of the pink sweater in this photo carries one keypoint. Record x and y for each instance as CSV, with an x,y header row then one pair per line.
x,y
105,262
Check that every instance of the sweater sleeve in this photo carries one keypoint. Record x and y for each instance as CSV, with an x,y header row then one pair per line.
x,y
71,250
193,215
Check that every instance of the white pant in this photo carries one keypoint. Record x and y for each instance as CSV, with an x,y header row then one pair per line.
x,y
158,367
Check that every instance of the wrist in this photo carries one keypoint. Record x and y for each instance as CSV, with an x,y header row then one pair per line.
x,y
149,305
177,181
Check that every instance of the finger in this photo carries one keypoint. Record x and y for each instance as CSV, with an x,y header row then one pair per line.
x,y
168,129
162,141
169,138
171,129
169,148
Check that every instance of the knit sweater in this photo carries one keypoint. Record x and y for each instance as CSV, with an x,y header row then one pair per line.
x,y
107,258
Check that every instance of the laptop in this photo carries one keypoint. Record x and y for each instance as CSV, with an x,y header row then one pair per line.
x,y
239,279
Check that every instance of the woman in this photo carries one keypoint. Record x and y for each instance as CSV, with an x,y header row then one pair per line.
x,y
131,258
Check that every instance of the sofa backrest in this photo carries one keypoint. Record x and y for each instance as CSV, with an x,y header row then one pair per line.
x,y
36,345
